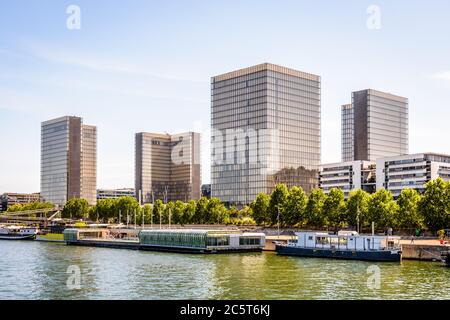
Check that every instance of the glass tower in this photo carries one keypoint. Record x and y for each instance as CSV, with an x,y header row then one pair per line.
x,y
265,130
68,160
380,125
167,167
347,133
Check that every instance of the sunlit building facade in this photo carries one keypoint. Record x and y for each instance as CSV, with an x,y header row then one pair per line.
x,y
411,171
167,167
68,160
265,130
380,125
347,132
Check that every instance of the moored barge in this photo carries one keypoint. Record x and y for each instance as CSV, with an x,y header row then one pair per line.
x,y
170,240
347,245
12,232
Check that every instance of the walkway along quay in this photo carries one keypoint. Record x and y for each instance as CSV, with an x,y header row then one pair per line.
x,y
170,240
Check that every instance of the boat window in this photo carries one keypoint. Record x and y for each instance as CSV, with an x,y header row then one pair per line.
x,y
310,238
249,241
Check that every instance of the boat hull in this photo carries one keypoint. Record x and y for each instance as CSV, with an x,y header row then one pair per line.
x,y
18,237
373,255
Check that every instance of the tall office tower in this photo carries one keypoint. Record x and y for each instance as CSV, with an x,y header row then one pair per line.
x,y
380,125
167,167
265,130
347,133
68,160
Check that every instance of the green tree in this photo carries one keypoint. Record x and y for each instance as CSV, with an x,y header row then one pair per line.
x,y
30,206
76,208
314,208
178,212
435,205
168,213
277,203
127,207
295,207
358,208
189,212
201,215
408,214
158,211
147,212
217,211
383,209
334,208
260,209
104,210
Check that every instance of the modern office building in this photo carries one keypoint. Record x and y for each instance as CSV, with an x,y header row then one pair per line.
x,y
375,125
167,167
265,130
68,160
348,176
9,199
348,134
411,171
115,193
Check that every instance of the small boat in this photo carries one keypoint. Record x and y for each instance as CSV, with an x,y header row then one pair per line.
x,y
344,245
10,232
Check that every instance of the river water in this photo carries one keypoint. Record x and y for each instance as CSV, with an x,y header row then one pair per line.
x,y
35,270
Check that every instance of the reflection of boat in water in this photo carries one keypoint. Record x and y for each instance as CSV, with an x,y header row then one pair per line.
x,y
344,245
11,232
446,258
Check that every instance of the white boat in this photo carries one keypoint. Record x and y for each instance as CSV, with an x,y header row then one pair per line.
x,y
344,245
11,232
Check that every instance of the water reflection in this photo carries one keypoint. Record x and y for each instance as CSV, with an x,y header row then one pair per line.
x,y
31,270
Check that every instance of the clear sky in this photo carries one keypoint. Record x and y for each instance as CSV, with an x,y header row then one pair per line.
x,y
143,65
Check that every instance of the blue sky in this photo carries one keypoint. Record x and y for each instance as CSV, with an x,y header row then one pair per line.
x,y
145,65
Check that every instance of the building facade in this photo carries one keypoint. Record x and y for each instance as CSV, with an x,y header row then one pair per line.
x,y
411,171
348,176
348,134
266,130
115,193
9,199
374,126
167,167
68,160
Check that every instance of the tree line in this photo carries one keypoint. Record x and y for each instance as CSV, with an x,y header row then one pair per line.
x,y
287,207
127,210
411,210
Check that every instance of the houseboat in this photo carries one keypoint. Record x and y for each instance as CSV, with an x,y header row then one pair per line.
x,y
343,245
201,241
170,240
12,232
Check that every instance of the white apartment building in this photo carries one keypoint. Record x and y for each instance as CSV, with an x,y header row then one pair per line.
x,y
348,176
411,171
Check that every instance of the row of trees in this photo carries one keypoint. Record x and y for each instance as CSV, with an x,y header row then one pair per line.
x,y
288,207
30,206
128,210
411,210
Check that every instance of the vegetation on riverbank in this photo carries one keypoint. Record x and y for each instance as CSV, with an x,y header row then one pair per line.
x,y
287,207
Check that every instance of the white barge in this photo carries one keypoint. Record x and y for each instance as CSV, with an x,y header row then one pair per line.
x,y
11,232
344,245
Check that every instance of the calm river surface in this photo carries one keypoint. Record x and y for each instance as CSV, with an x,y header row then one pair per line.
x,y
34,270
